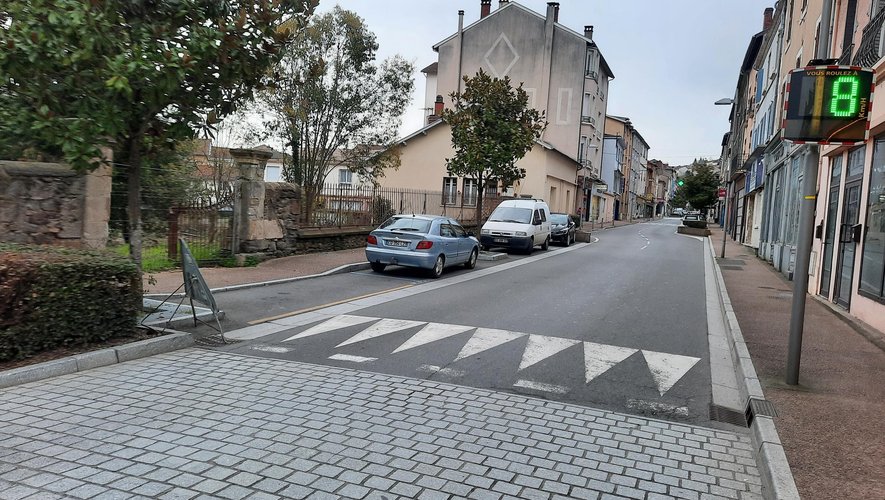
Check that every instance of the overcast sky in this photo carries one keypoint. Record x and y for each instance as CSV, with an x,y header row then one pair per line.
x,y
671,58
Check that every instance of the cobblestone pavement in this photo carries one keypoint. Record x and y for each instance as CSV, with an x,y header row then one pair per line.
x,y
206,424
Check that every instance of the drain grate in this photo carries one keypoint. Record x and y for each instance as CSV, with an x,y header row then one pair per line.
x,y
759,407
727,416
731,268
213,341
731,262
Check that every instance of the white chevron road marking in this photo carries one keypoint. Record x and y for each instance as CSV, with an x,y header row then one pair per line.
x,y
486,338
541,347
667,369
336,323
431,333
598,358
383,327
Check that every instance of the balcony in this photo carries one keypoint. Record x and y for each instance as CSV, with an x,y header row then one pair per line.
x,y
588,119
870,50
592,74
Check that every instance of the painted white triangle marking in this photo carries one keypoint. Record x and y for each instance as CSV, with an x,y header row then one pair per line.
x,y
383,327
598,358
336,323
667,369
431,333
541,347
485,339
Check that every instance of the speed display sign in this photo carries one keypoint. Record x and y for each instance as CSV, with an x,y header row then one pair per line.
x,y
828,105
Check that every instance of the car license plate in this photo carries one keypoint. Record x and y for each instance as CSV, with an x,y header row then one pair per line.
x,y
396,243
500,240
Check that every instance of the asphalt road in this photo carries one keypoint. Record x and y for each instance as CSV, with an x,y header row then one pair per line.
x,y
618,324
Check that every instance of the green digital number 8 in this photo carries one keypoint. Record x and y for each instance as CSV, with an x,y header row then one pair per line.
x,y
843,102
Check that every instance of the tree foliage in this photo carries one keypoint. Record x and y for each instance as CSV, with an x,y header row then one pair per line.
x,y
700,187
333,104
76,74
492,128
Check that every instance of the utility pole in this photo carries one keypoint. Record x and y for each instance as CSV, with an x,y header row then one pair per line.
x,y
806,226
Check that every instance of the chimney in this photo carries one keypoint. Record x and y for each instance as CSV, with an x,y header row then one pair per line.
x,y
437,110
460,21
766,18
555,6
502,3
485,6
588,32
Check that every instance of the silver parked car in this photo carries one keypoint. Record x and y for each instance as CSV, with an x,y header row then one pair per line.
x,y
423,241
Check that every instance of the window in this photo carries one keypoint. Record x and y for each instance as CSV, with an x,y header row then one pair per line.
x,y
272,173
855,162
458,231
470,193
872,268
582,146
446,231
588,105
345,176
450,190
760,84
591,63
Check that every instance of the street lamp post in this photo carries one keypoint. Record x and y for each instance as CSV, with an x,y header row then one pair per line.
x,y
725,101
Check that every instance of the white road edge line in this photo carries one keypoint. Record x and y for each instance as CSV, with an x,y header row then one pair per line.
x,y
539,386
269,348
348,357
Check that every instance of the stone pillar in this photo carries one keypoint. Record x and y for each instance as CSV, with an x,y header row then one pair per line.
x,y
97,203
252,233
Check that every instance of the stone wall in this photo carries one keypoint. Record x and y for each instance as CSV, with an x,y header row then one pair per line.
x,y
51,204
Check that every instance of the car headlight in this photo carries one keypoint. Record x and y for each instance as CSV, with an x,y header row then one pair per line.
x,y
521,233
486,231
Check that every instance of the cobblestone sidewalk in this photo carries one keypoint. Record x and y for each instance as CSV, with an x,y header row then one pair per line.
x,y
204,424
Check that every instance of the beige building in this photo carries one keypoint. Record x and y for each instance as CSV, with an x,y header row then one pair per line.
x,y
564,75
634,202
550,175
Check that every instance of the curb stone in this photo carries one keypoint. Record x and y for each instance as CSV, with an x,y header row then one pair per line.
x,y
346,268
95,359
774,468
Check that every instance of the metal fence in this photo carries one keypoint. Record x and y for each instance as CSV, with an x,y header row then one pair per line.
x,y
205,225
342,205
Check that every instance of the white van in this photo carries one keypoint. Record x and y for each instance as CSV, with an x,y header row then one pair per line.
x,y
518,224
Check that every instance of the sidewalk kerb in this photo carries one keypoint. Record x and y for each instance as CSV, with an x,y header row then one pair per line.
x,y
95,359
346,268
774,468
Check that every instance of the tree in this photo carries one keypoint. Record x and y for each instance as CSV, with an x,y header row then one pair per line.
x,y
334,105
700,186
142,74
492,128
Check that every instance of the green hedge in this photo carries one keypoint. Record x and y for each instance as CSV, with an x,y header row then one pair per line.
x,y
53,297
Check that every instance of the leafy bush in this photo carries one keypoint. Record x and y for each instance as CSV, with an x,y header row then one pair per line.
x,y
53,297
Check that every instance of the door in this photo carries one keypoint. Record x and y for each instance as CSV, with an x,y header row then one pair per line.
x,y
450,243
465,244
847,245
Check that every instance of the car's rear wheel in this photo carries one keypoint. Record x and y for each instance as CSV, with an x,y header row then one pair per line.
x,y
471,261
377,266
437,269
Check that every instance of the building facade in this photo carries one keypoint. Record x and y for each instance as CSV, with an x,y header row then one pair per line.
x,y
562,71
847,265
635,167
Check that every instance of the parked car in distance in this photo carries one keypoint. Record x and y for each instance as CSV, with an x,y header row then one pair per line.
x,y
423,241
562,229
519,224
677,212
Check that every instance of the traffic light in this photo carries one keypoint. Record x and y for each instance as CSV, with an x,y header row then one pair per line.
x,y
680,182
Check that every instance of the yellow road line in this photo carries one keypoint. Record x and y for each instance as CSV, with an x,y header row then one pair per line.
x,y
314,308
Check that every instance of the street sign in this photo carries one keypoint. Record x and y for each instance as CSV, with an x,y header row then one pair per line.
x,y
828,105
721,193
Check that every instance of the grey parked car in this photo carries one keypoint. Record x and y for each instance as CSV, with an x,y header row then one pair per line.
x,y
422,241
